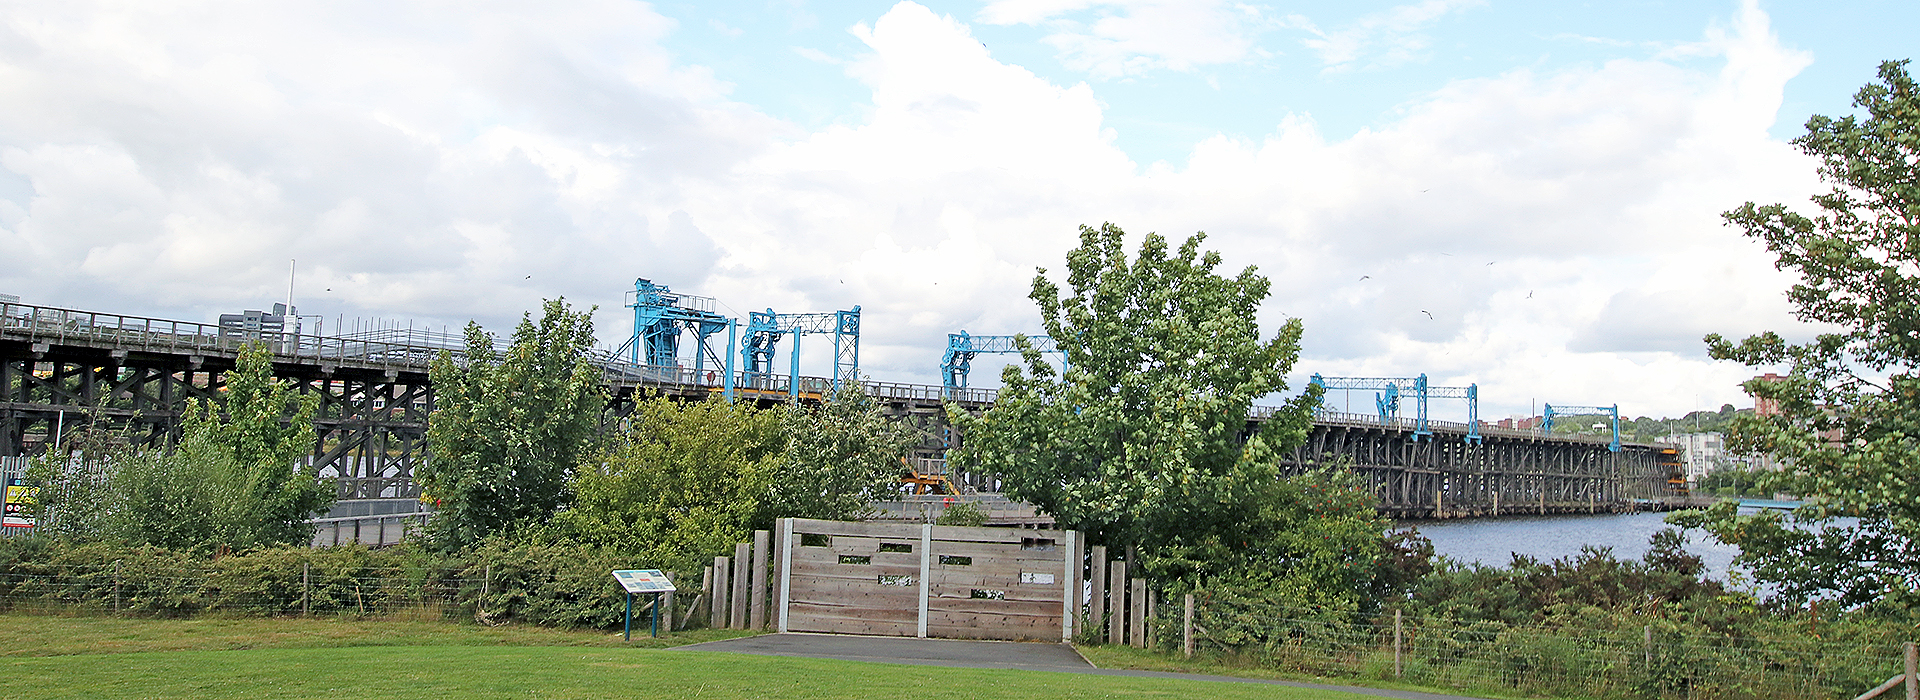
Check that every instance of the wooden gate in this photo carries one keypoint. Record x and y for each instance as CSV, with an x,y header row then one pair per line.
x,y
926,580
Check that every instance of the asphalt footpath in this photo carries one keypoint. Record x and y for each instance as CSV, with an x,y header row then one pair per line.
x,y
1026,656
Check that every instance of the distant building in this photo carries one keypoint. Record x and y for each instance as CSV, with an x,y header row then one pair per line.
x,y
1767,407
1520,422
1701,452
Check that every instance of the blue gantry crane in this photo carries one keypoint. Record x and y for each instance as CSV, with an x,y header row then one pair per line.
x,y
766,328
1390,389
661,318
961,349
1610,411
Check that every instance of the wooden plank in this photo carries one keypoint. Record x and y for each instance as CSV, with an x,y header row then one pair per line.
x,y
954,533
831,528
855,571
834,626
982,606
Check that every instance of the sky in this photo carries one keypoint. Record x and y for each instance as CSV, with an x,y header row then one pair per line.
x,y
1522,196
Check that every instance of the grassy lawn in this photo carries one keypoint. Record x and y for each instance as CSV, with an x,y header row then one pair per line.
x,y
256,659
1125,657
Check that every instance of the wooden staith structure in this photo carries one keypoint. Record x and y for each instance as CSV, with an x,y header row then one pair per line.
x,y
1509,472
60,368
910,580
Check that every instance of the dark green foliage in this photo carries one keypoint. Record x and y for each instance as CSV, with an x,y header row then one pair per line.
x,y
509,429
1849,441
1668,581
556,584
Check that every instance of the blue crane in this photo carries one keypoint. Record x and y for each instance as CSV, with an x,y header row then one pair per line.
x,y
766,328
1392,388
660,317
1611,411
961,348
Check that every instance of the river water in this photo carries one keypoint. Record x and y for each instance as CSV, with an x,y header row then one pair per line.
x,y
1493,541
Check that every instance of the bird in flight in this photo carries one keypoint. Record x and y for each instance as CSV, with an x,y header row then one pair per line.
x,y
1529,294
1364,278
529,276
1428,313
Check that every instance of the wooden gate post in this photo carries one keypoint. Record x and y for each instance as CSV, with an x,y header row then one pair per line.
x,y
785,573
1097,602
757,610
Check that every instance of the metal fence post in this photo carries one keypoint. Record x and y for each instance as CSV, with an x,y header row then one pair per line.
x,y
306,587
116,584
1397,637
1186,629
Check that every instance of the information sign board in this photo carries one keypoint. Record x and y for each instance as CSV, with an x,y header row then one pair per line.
x,y
643,581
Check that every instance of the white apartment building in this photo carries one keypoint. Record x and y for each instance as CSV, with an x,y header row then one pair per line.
x,y
1702,452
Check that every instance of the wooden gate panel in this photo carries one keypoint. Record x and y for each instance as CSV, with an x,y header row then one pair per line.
x,y
903,579
850,586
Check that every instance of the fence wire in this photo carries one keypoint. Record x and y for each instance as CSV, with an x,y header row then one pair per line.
x,y
1651,659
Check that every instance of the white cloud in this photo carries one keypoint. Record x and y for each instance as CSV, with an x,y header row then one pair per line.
x,y
429,168
1388,38
1133,37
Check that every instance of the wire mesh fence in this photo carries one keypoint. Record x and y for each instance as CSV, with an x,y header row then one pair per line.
x,y
234,586
1613,657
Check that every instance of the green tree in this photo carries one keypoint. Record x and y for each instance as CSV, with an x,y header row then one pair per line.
x,y
239,479
681,479
684,479
1139,442
509,428
841,456
1848,433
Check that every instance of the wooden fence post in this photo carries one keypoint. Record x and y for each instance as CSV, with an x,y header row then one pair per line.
x,y
1117,590
1097,602
116,584
1913,674
757,609
1646,644
717,605
1186,629
1397,636
1138,625
742,556
668,616
705,597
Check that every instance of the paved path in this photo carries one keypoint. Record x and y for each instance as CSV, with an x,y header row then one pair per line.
x,y
1029,656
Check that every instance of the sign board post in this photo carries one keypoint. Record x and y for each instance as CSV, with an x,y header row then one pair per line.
x,y
643,581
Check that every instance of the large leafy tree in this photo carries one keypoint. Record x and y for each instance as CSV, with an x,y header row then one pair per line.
x,y
1140,442
1847,436
509,428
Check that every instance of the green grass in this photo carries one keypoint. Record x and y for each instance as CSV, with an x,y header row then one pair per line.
x,y
259,659
1125,657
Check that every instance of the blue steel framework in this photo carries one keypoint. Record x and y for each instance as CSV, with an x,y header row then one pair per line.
x,y
961,348
766,328
1610,411
660,317
1387,402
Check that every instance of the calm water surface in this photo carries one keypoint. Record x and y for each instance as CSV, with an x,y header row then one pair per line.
x,y
1493,541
